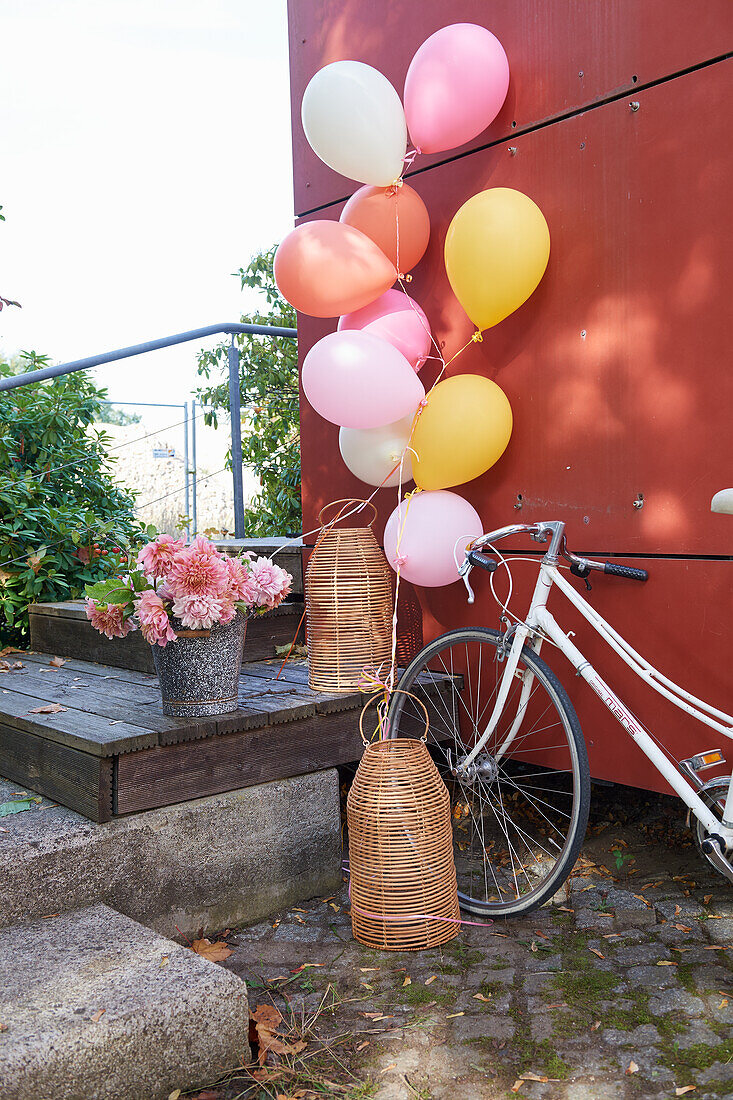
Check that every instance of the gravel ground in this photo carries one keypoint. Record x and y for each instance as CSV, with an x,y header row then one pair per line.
x,y
621,989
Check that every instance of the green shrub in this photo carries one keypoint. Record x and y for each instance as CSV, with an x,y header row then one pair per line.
x,y
64,521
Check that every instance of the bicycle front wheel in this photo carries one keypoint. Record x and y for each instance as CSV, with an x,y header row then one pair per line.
x,y
520,813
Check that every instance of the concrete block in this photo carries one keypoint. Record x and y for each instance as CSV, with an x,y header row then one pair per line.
x,y
96,1007
227,860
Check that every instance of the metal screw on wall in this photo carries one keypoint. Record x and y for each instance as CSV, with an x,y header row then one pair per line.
x,y
639,502
634,105
512,150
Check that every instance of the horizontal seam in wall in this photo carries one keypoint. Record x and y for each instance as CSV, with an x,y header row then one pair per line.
x,y
539,554
632,89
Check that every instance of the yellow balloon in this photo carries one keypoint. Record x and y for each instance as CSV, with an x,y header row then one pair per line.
x,y
462,431
496,252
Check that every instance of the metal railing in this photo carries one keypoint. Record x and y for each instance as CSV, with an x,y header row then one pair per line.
x,y
230,328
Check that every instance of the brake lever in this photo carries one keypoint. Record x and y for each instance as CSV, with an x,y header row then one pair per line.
x,y
464,572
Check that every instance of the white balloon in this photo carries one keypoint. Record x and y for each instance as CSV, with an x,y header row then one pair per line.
x,y
354,121
370,453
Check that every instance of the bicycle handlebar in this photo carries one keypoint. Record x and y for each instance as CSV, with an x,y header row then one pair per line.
x,y
540,532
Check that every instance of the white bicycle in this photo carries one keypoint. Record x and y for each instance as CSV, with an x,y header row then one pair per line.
x,y
510,748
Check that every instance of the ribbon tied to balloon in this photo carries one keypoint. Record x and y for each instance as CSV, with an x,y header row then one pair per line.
x,y
364,376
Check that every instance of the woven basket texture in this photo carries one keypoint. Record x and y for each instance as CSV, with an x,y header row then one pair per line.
x,y
349,608
401,850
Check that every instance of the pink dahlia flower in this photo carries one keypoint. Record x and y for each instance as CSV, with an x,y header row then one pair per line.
x,y
109,620
198,570
228,611
199,611
273,583
157,557
154,622
243,587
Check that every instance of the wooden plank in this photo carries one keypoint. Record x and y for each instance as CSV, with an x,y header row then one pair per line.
x,y
79,780
174,773
111,699
91,668
74,636
64,629
72,727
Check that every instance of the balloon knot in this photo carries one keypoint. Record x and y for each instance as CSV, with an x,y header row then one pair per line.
x,y
404,278
400,560
423,404
478,337
394,187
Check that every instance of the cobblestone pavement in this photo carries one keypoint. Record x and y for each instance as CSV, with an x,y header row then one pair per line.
x,y
621,989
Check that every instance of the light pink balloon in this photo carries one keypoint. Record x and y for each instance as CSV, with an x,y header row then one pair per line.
x,y
455,86
435,524
360,381
398,320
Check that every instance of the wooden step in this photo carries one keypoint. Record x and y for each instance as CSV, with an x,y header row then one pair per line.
x,y
64,629
109,749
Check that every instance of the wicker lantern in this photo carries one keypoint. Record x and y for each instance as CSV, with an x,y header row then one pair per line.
x,y
349,606
403,876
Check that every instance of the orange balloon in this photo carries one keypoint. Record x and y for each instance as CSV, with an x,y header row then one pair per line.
x,y
325,269
374,210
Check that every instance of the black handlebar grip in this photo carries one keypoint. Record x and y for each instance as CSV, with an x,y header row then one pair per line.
x,y
481,560
625,571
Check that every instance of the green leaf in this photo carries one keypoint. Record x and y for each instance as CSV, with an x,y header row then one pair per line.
x,y
15,807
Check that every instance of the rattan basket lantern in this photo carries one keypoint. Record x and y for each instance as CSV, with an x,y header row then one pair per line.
x,y
349,606
403,876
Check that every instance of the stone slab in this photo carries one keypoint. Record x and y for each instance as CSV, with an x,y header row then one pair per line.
x,y
227,860
96,1006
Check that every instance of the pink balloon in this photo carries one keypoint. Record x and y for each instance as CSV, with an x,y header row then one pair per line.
x,y
360,381
398,320
455,86
435,524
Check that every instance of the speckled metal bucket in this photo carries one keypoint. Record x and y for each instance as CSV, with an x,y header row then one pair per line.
x,y
199,673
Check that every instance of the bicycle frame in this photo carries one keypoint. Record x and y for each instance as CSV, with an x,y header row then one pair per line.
x,y
541,624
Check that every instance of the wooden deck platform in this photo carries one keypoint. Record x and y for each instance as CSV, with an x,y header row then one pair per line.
x,y
111,751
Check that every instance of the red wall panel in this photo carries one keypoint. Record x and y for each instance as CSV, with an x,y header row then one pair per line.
x,y
615,367
618,366
563,54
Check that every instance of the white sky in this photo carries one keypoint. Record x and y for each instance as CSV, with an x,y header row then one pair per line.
x,y
144,156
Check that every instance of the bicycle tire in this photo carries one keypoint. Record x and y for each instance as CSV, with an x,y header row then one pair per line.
x,y
530,663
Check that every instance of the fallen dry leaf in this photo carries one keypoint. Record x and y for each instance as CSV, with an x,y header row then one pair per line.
x,y
666,962
371,1015
533,1077
392,1065
480,997
164,961
452,1015
723,1003
595,1025
706,901
517,1084
266,1019
597,952
3,1027
632,1067
175,1094
565,909
48,708
364,969
407,981
431,979
714,947
364,1044
214,952
682,928
98,1015
57,662
684,1089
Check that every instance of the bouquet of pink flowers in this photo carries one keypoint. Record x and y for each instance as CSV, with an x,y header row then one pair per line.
x,y
195,585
